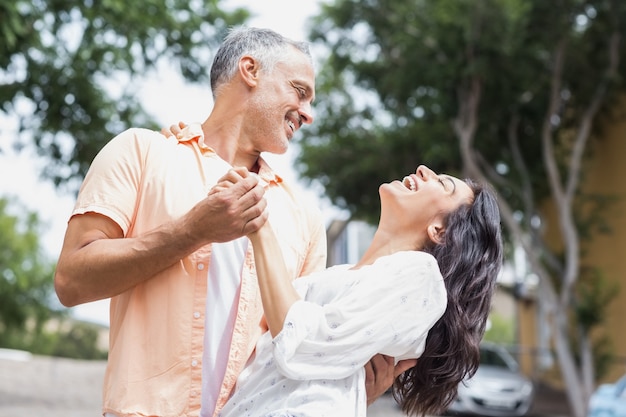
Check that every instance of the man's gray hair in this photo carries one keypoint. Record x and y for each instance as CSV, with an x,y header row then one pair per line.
x,y
265,45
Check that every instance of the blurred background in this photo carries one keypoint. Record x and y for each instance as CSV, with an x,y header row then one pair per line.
x,y
527,95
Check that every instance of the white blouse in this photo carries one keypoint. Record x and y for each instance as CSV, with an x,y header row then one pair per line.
x,y
315,365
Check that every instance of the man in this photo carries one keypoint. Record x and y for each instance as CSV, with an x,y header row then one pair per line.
x,y
150,232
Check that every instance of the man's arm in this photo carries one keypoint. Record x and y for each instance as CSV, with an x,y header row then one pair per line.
x,y
380,373
97,262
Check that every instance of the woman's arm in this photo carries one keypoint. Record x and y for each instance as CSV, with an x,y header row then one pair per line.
x,y
277,291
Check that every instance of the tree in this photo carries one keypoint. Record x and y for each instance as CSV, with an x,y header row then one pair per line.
x,y
25,277
509,90
80,341
68,68
68,72
30,316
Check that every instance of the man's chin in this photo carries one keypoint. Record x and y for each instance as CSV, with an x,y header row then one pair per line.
x,y
279,152
281,147
278,149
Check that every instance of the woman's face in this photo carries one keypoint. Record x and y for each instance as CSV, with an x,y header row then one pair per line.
x,y
422,199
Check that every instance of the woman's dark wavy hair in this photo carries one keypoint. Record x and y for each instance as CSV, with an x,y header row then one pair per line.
x,y
470,258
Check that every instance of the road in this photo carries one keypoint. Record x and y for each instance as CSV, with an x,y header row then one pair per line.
x,y
56,387
385,406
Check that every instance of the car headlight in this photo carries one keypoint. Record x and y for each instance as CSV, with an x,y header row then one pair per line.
x,y
527,388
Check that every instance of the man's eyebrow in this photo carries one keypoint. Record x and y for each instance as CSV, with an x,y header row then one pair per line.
x,y
309,91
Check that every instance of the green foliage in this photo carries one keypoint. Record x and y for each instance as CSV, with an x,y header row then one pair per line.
x,y
68,68
603,356
30,318
398,70
514,91
25,273
594,214
68,72
26,285
594,294
59,337
501,331
79,342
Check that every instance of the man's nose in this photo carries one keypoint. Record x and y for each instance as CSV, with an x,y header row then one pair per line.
x,y
306,114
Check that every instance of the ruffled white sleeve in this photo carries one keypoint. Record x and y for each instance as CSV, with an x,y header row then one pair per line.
x,y
388,308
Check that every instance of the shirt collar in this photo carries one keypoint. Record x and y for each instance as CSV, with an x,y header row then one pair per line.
x,y
193,132
267,174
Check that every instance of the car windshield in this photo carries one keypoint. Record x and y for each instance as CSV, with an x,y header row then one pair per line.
x,y
493,358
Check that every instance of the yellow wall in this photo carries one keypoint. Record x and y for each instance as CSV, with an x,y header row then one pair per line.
x,y
604,173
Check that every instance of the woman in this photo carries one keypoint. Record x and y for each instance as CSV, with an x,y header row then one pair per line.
x,y
421,290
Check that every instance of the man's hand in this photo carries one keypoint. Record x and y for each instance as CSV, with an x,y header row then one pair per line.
x,y
380,374
233,208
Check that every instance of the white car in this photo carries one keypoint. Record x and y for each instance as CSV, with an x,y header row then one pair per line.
x,y
497,389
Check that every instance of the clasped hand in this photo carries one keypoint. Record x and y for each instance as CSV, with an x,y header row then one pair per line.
x,y
233,208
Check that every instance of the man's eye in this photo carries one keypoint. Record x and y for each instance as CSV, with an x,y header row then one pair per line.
x,y
301,91
442,183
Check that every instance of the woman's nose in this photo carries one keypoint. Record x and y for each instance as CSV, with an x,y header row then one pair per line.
x,y
424,172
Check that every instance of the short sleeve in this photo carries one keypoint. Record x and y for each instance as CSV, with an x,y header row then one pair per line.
x,y
389,308
112,183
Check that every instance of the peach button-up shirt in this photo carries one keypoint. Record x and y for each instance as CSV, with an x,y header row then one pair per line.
x,y
140,180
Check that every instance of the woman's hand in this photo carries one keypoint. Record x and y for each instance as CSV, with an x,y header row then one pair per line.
x,y
174,130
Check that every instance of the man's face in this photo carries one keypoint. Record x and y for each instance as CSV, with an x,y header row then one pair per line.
x,y
282,103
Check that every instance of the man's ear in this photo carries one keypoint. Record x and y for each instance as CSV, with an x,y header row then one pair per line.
x,y
435,232
249,70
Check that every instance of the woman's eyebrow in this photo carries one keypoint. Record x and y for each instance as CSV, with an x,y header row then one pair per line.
x,y
453,183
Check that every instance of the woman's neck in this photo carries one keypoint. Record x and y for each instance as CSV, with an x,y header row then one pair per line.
x,y
385,243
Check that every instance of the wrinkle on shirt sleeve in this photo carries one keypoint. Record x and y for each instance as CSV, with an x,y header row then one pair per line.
x,y
389,310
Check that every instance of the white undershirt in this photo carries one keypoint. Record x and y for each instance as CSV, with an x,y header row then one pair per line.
x,y
224,284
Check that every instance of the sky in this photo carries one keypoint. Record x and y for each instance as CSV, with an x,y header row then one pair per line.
x,y
169,99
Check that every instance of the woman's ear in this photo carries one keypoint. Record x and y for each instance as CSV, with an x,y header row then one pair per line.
x,y
249,70
435,232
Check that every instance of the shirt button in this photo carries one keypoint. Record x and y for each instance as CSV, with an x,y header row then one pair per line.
x,y
194,363
196,314
200,267
194,393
